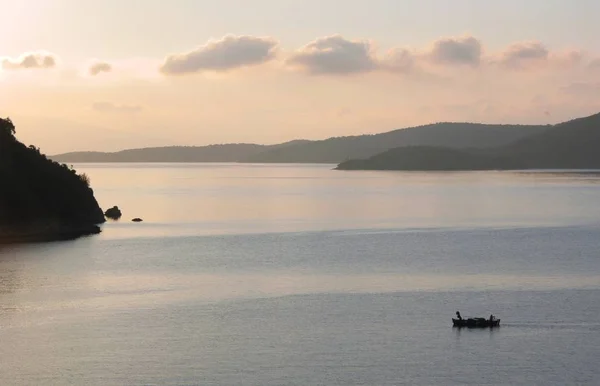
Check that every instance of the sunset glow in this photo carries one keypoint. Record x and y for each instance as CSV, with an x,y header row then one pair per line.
x,y
111,75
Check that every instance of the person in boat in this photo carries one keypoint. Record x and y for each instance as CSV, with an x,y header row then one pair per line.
x,y
491,318
458,315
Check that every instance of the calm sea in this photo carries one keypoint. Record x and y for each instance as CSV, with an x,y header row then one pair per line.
x,y
301,275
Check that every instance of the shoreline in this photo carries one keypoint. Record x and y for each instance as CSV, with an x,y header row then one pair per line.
x,y
33,235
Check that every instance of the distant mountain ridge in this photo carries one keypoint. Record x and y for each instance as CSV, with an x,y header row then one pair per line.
x,y
452,135
211,153
569,145
332,150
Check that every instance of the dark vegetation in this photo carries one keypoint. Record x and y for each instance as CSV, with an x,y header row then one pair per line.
x,y
40,199
332,150
430,158
569,145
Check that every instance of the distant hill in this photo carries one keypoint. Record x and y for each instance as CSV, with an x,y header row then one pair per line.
x,y
232,152
332,150
451,135
41,200
569,145
213,153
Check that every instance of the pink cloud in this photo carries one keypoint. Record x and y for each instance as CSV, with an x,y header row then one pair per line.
x,y
334,55
30,60
228,53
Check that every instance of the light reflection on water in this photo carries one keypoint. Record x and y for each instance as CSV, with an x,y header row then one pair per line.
x,y
106,292
233,198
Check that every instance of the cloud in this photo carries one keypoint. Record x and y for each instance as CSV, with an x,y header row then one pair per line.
x,y
107,107
228,53
30,60
523,54
334,55
99,67
465,50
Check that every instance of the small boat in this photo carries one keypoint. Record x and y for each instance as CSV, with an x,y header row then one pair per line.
x,y
476,322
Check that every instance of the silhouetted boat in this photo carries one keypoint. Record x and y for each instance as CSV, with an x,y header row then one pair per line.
x,y
476,322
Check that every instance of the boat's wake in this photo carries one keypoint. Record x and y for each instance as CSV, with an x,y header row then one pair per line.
x,y
554,325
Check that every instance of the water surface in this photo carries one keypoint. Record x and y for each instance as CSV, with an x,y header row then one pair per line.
x,y
301,275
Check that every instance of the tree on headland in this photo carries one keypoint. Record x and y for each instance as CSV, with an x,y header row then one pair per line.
x,y
41,195
7,126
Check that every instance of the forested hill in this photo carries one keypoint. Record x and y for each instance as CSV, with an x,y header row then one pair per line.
x,y
332,150
39,198
232,152
451,135
570,145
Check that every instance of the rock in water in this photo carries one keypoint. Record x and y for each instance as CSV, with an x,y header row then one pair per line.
x,y
113,213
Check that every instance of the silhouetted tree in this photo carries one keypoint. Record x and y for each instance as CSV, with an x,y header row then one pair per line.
x,y
7,126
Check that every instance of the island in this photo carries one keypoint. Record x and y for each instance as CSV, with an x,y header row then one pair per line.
x,y
40,199
427,158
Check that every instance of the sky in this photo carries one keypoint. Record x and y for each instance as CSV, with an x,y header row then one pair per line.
x,y
115,74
